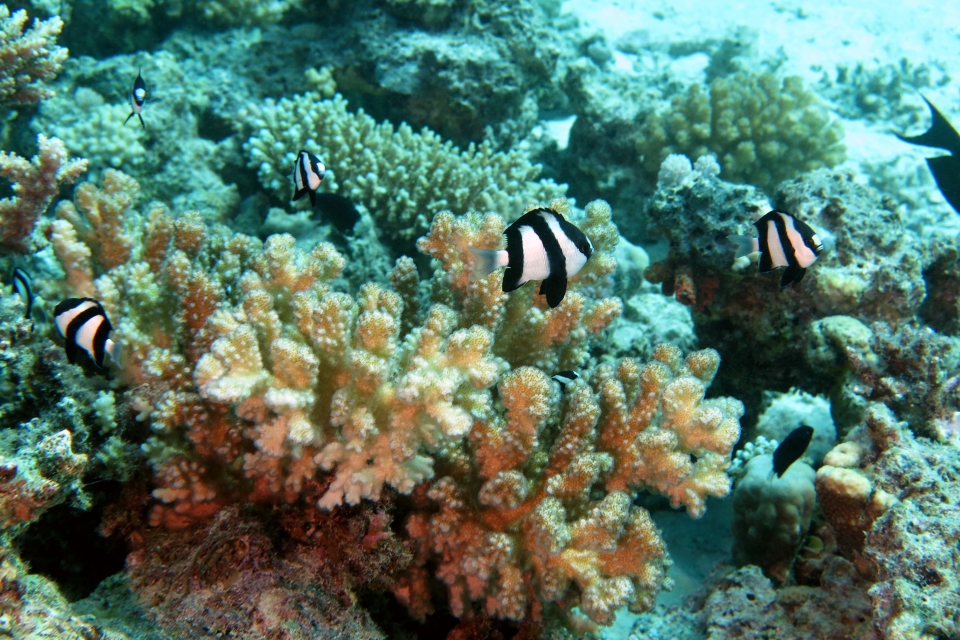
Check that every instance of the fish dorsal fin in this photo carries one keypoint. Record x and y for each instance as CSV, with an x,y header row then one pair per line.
x,y
940,135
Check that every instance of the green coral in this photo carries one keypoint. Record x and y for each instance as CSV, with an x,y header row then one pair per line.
x,y
763,130
401,177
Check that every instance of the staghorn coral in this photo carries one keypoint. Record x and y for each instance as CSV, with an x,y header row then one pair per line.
x,y
519,519
395,174
29,59
35,184
762,129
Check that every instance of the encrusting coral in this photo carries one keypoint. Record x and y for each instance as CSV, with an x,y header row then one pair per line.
x,y
762,129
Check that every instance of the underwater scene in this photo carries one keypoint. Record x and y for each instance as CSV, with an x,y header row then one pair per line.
x,y
479,319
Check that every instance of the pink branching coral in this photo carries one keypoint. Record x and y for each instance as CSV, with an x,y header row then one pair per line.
x,y
263,382
28,59
35,184
520,521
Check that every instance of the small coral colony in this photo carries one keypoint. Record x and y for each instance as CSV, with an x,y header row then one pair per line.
x,y
328,417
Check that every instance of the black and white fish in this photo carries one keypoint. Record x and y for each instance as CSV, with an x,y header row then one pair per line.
x,y
84,325
541,245
21,284
307,176
790,450
945,169
137,97
784,242
564,378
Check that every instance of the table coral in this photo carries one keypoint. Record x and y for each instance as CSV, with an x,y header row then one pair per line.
x,y
402,177
762,129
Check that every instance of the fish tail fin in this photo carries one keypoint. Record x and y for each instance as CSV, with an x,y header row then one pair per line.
x,y
940,135
485,262
115,349
745,244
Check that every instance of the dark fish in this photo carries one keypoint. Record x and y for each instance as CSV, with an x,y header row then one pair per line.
x,y
945,169
541,245
137,97
84,326
21,284
563,378
338,210
790,450
307,175
784,242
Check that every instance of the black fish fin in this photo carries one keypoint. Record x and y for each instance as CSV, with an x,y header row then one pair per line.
x,y
792,275
946,171
313,198
142,123
511,283
554,287
299,194
132,113
766,264
940,135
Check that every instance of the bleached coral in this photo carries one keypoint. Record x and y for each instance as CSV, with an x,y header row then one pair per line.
x,y
402,177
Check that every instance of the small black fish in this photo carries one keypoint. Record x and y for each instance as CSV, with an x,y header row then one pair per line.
x,y
784,242
541,245
945,169
792,447
137,97
21,284
84,325
338,210
563,378
307,175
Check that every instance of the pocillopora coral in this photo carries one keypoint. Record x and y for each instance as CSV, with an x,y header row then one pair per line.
x,y
762,129
401,177
259,379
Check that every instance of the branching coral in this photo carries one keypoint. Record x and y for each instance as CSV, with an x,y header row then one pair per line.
x,y
35,184
521,518
28,59
261,380
762,130
396,174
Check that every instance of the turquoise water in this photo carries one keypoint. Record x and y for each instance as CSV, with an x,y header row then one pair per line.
x,y
253,384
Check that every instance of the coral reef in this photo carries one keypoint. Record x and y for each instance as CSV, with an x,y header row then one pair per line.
x,y
35,184
402,178
869,269
771,515
762,129
30,58
537,511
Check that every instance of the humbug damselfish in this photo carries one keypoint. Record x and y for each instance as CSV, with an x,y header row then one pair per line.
x,y
84,326
541,245
784,242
